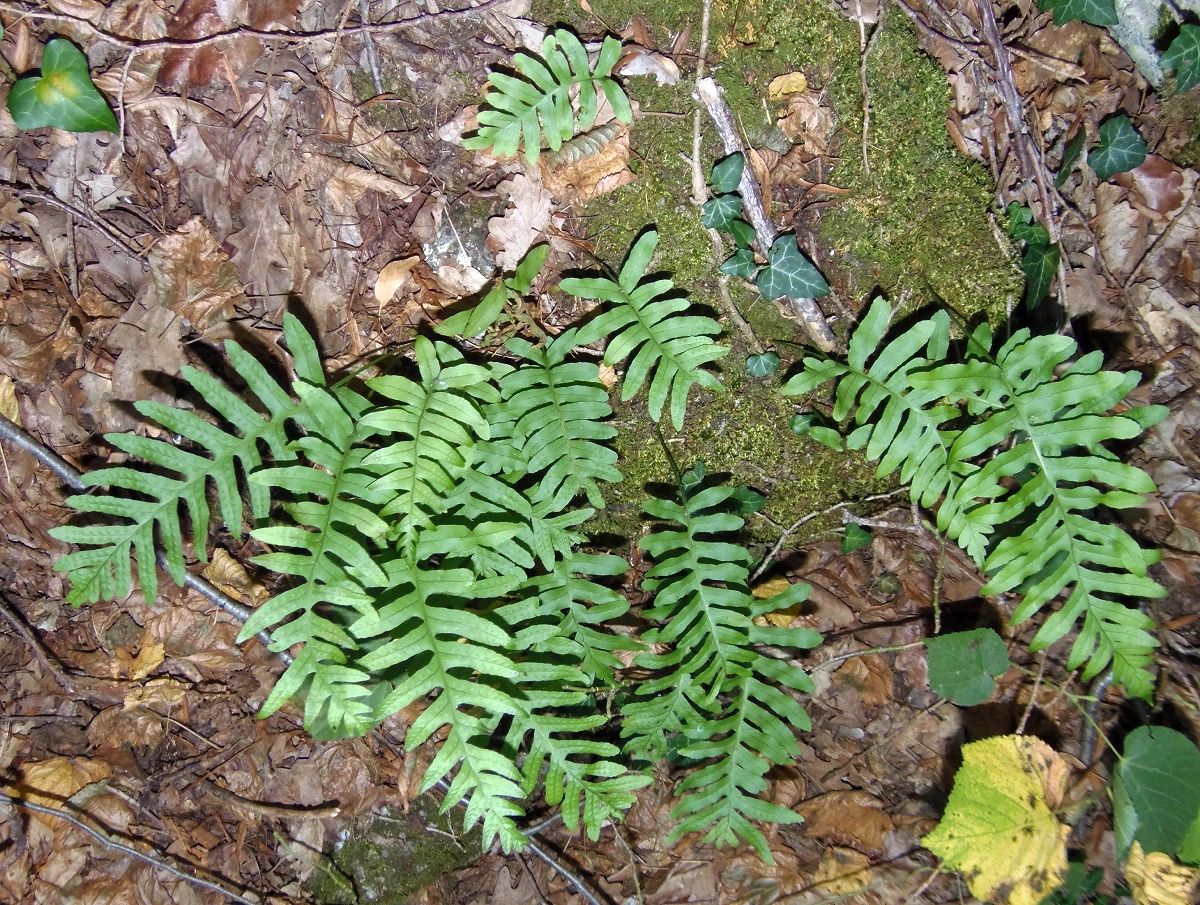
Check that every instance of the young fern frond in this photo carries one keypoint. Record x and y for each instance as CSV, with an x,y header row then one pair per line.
x,y
714,687
518,109
1015,452
559,409
1049,483
178,479
644,320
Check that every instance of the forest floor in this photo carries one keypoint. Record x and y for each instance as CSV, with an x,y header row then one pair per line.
x,y
274,155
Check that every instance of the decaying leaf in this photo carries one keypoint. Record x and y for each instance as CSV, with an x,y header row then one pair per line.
x,y
589,166
231,577
51,782
8,399
1156,879
514,233
194,276
843,871
396,278
998,829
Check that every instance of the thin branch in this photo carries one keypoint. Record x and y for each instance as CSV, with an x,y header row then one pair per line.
x,y
581,887
276,36
16,437
242,896
710,95
30,193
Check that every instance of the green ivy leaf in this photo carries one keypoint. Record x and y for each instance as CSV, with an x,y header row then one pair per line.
x,y
1039,264
962,665
805,425
1184,57
1097,12
747,501
719,211
855,538
63,96
693,477
1156,790
727,173
1070,157
1121,149
789,274
739,264
762,365
1022,227
742,232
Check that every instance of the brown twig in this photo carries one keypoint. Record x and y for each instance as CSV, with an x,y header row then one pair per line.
x,y
244,896
709,94
275,36
270,809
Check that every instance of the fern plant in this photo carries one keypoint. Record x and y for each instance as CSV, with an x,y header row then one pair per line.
x,y
520,109
644,319
714,687
1012,442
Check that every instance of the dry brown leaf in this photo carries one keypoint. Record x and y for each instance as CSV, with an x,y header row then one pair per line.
x,y
640,61
871,677
853,818
1157,187
591,176
194,276
8,399
843,871
1156,879
231,577
396,278
164,694
51,782
137,666
269,254
808,121
511,235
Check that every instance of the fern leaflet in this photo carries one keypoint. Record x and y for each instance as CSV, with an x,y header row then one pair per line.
x,y
645,321
520,108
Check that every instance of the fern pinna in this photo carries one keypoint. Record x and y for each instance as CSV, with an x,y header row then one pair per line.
x,y
714,688
519,109
1014,449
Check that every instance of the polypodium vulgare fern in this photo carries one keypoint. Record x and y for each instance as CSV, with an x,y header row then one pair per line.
x,y
645,320
518,109
1011,440
714,687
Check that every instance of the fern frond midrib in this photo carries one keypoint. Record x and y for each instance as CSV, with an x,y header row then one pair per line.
x,y
663,350
914,410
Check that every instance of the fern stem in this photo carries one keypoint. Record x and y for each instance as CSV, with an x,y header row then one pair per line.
x,y
63,470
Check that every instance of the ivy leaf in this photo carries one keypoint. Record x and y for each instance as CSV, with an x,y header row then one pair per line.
x,y
739,264
1022,227
1156,790
998,828
1121,149
1039,264
1070,157
719,211
727,172
962,665
1184,57
1097,12
789,274
742,232
804,424
762,365
63,96
855,538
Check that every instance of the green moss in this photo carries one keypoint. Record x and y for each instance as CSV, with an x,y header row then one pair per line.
x,y
386,859
1181,141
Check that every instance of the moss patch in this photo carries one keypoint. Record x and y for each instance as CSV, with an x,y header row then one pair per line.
x,y
385,859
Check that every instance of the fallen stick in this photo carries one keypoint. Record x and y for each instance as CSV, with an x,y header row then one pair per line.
x,y
710,95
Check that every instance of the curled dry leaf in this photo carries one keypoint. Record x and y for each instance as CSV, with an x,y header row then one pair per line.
x,y
194,276
231,577
591,175
396,278
853,818
8,399
512,234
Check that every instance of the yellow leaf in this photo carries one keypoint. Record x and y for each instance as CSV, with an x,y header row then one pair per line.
x,y
231,577
51,782
1156,879
792,83
8,399
998,829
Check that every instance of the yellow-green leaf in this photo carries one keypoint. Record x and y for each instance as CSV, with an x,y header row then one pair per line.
x,y
998,829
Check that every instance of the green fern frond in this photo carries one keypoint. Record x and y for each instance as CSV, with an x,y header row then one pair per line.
x,y
1049,483
900,426
714,687
644,320
173,479
441,651
518,109
336,535
438,421
338,697
559,410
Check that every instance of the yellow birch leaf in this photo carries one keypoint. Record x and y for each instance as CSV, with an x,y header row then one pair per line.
x,y
998,829
1156,879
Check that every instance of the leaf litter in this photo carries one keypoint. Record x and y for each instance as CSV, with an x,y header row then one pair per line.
x,y
252,174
